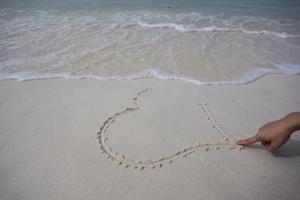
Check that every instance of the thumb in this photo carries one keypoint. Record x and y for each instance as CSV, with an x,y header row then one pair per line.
x,y
247,141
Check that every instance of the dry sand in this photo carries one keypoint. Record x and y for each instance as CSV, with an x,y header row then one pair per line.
x,y
49,149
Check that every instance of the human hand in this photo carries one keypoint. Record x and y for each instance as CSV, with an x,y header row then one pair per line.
x,y
272,135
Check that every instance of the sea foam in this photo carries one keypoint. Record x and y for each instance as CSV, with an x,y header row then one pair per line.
x,y
189,28
247,77
128,45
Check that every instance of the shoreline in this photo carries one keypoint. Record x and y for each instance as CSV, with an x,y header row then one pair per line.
x,y
246,78
49,149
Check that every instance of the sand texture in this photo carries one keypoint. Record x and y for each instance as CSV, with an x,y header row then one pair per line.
x,y
144,139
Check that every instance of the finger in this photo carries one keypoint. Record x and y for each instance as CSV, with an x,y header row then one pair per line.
x,y
247,141
273,146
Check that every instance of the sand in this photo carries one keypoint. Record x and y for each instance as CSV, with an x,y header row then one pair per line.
x,y
49,146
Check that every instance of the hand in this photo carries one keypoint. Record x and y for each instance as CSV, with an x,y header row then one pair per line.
x,y
274,134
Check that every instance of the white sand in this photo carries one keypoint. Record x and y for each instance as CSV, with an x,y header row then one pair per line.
x,y
49,150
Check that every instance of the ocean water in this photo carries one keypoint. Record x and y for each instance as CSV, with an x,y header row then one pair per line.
x,y
204,42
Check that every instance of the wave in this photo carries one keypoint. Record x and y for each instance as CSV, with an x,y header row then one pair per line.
x,y
183,22
248,77
187,28
88,42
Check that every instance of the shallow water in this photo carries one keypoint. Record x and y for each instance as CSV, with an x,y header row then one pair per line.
x,y
205,43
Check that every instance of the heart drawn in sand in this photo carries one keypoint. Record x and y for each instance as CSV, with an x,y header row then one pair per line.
x,y
127,162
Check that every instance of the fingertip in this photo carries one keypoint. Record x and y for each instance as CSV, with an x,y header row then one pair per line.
x,y
240,142
248,141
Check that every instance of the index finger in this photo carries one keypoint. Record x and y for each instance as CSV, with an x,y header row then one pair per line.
x,y
247,141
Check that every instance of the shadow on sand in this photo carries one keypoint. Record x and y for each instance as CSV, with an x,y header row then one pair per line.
x,y
290,149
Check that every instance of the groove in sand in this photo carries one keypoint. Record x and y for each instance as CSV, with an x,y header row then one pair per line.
x,y
127,162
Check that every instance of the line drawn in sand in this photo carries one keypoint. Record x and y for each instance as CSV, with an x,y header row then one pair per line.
x,y
127,162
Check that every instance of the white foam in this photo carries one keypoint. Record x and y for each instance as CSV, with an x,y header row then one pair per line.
x,y
57,40
178,27
289,68
189,28
248,77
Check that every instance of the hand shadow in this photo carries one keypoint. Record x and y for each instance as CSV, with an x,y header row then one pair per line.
x,y
288,150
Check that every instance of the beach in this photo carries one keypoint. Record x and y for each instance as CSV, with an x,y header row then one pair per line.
x,y
49,147
142,99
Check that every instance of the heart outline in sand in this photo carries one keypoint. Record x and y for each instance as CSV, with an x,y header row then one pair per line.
x,y
127,162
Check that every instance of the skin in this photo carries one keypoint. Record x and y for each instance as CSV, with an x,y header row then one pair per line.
x,y
276,133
